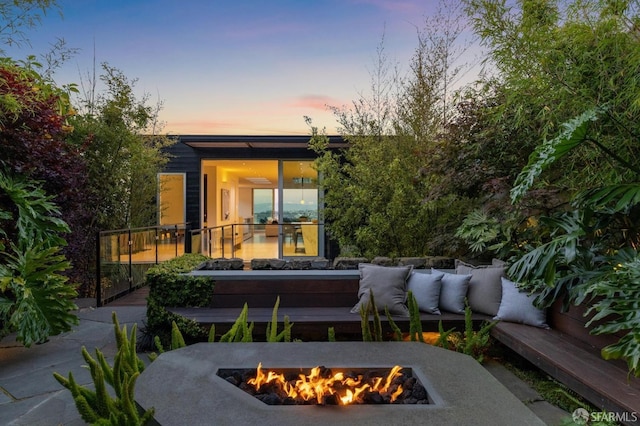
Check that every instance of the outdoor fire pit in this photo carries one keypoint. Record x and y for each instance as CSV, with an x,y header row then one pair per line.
x,y
186,386
328,386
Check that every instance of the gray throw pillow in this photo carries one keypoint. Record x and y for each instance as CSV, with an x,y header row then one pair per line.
x,y
425,287
453,291
517,306
485,287
389,286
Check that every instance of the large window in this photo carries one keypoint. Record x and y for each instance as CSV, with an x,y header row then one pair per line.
x,y
262,191
171,198
299,191
265,205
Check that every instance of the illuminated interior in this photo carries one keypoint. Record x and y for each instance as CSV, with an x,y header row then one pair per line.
x,y
273,204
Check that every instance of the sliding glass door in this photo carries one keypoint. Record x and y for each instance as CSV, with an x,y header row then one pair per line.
x,y
299,207
272,209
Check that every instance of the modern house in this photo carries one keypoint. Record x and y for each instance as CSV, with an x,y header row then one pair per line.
x,y
245,196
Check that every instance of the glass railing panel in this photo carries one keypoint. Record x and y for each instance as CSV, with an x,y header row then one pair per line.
x,y
114,264
126,254
170,242
208,241
197,242
143,246
257,241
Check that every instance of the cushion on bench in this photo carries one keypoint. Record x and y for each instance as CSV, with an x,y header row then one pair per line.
x,y
517,306
388,285
485,288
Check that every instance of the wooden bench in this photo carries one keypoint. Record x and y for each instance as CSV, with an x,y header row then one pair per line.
x,y
314,300
568,353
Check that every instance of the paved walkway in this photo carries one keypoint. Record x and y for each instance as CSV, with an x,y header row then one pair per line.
x,y
29,395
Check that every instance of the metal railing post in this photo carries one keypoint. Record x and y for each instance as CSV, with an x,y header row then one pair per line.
x,y
98,272
130,261
233,240
175,234
157,237
222,239
187,239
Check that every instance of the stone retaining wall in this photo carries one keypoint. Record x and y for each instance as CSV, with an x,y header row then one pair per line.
x,y
339,263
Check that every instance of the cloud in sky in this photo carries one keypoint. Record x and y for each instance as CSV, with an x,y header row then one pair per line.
x,y
314,102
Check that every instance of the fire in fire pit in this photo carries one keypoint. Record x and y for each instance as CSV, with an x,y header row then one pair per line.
x,y
321,386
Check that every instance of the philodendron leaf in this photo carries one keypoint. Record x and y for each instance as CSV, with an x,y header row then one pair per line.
x,y
573,134
627,348
617,197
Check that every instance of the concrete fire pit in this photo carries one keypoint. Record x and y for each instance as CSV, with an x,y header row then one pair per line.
x,y
183,387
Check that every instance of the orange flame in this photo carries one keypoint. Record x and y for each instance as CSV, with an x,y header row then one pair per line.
x,y
314,386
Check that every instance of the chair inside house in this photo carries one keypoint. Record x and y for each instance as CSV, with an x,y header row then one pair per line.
x,y
271,229
289,232
306,238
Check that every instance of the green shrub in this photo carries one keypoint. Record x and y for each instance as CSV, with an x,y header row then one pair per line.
x,y
241,331
97,405
372,332
168,287
470,342
36,299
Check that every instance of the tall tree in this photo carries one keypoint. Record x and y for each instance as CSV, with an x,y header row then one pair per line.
x,y
560,58
19,16
123,151
375,199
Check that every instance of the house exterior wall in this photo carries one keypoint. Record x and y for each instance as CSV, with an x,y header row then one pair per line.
x,y
187,154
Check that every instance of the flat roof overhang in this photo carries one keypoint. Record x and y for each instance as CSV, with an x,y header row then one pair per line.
x,y
255,142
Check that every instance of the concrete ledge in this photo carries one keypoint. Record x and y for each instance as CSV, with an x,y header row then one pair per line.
x,y
183,387
271,274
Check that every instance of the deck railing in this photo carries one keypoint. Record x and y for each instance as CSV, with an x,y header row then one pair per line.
x,y
124,255
218,241
299,239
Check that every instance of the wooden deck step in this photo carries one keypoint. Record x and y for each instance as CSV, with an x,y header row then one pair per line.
x,y
315,321
603,383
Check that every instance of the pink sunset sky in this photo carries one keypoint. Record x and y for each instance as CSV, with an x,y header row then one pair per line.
x,y
236,66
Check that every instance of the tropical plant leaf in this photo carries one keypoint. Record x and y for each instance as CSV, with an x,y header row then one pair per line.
x,y
41,299
478,230
618,198
551,263
36,219
617,289
573,134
